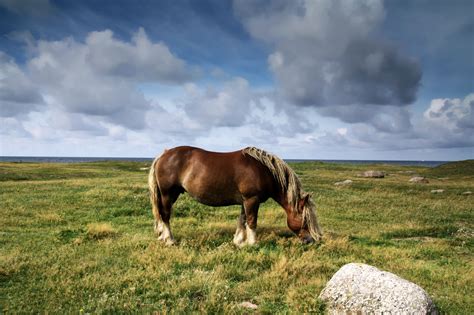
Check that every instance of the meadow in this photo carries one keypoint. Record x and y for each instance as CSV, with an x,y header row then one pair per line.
x,y
78,238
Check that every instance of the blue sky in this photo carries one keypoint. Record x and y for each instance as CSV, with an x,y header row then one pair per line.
x,y
303,79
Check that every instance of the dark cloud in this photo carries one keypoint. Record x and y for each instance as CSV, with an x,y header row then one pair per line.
x,y
326,53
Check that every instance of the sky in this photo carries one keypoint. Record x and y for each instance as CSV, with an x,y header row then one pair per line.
x,y
304,79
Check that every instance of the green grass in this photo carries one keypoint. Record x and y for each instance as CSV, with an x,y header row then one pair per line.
x,y
78,238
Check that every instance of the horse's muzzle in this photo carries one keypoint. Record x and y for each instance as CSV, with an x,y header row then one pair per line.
x,y
307,240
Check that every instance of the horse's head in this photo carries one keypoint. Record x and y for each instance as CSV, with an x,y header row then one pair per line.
x,y
303,221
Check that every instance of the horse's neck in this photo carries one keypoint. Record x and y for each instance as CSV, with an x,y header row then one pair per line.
x,y
282,200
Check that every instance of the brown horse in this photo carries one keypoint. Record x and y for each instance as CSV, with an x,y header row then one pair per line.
x,y
246,177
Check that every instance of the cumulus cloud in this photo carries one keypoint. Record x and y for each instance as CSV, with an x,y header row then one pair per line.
x,y
326,52
98,77
225,106
446,123
449,123
452,113
18,94
235,104
141,59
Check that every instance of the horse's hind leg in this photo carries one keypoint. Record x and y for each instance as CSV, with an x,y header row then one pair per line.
x,y
240,235
167,200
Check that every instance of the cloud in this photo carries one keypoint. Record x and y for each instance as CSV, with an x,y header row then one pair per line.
x,y
98,77
445,124
226,106
18,94
326,52
451,113
141,59
449,123
392,119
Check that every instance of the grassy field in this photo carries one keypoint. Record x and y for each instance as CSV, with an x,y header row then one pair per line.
x,y
78,238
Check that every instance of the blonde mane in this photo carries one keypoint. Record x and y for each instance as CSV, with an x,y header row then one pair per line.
x,y
284,175
290,183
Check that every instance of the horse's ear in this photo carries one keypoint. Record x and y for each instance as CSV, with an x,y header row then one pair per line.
x,y
306,198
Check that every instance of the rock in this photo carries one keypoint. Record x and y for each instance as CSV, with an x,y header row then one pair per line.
x,y
364,289
437,191
418,179
407,172
467,193
344,183
144,168
373,174
249,305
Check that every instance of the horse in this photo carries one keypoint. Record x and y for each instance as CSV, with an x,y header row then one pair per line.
x,y
246,177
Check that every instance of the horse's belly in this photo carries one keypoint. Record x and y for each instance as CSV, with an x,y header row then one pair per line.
x,y
213,193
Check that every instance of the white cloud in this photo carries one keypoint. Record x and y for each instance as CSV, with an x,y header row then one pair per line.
x,y
227,106
451,113
97,78
449,123
140,60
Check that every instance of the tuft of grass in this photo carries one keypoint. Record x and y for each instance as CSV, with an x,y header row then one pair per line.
x,y
99,231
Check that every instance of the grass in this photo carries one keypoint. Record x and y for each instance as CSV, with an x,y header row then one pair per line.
x,y
78,238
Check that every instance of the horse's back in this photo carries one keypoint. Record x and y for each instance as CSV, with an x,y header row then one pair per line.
x,y
213,178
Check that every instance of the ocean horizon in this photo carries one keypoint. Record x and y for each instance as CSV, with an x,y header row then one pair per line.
x,y
72,159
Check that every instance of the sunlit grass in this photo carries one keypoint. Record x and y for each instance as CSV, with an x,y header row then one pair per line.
x,y
79,238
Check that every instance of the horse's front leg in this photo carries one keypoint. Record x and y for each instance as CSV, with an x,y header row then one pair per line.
x,y
240,235
251,212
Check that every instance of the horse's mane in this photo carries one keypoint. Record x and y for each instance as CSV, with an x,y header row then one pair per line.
x,y
284,175
290,183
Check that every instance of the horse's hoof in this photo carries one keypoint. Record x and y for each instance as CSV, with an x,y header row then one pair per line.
x,y
239,243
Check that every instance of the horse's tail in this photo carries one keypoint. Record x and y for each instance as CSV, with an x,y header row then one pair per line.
x,y
155,195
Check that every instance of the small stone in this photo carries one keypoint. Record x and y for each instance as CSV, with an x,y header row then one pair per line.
x,y
418,179
437,191
250,305
467,193
344,183
373,174
144,168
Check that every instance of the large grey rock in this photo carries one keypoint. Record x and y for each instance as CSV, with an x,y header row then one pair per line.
x,y
364,289
373,174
